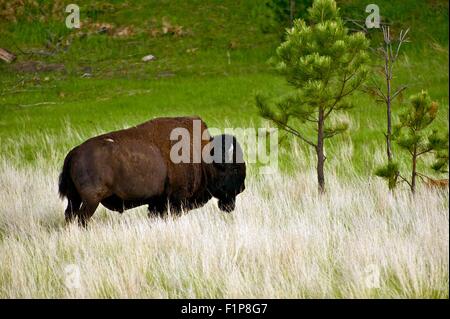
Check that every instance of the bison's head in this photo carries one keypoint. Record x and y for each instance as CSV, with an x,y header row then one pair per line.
x,y
228,171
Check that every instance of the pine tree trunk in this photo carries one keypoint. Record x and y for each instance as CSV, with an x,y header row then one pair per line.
x,y
414,174
393,180
387,68
320,151
389,121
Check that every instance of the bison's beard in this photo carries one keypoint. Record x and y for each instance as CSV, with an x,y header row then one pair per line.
x,y
227,205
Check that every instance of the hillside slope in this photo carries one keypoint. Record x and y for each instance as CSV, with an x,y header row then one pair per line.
x,y
211,57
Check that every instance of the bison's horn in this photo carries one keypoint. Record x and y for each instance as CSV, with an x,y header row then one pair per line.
x,y
230,154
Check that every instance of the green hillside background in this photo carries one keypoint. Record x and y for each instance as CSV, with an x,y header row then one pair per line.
x,y
211,59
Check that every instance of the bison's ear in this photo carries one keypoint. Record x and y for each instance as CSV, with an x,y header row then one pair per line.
x,y
224,150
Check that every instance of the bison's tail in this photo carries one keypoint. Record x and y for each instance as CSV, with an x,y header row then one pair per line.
x,y
66,185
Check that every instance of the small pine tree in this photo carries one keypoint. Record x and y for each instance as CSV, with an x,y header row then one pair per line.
x,y
324,64
412,134
388,53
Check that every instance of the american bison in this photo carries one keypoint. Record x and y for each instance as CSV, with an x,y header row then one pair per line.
x,y
135,166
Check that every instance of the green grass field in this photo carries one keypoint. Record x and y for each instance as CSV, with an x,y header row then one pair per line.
x,y
211,65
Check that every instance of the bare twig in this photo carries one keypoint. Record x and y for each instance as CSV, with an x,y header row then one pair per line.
x,y
7,56
398,91
293,131
36,104
425,151
404,179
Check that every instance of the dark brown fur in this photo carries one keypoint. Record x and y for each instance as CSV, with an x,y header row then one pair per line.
x,y
132,167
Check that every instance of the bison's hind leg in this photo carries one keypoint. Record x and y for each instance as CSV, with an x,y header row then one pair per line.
x,y
87,209
91,198
73,205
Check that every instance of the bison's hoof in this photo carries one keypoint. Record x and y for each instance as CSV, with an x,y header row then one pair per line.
x,y
226,206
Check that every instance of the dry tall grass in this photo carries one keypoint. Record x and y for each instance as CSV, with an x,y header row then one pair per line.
x,y
283,240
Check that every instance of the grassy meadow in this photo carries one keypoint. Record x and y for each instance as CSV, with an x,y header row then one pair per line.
x,y
283,240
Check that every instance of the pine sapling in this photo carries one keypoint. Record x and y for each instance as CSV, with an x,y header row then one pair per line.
x,y
413,135
324,64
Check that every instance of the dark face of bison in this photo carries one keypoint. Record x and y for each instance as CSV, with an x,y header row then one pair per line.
x,y
229,171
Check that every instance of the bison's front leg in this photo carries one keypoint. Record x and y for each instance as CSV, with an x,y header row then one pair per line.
x,y
157,207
